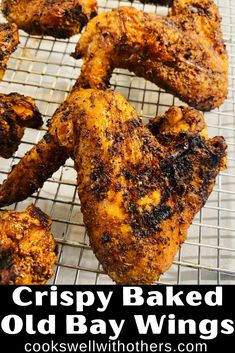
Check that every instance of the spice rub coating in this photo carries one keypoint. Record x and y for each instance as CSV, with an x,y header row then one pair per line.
x,y
16,113
183,53
139,193
27,247
57,18
9,39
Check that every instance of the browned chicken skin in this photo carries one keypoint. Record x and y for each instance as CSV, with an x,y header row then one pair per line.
x,y
138,193
27,247
56,18
183,53
9,39
16,113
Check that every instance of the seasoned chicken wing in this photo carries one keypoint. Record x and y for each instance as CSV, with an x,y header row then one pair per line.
x,y
138,193
16,113
56,18
9,39
183,53
27,247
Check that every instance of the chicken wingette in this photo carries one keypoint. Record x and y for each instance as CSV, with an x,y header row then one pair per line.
x,y
9,39
184,52
139,193
16,113
27,247
57,18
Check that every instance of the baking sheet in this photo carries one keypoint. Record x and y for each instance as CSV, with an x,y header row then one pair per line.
x,y
44,69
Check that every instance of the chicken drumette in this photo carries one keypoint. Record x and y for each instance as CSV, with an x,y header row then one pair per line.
x,y
9,39
139,192
56,18
16,113
27,247
183,52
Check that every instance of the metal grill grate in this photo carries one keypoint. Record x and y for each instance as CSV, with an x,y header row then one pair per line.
x,y
44,69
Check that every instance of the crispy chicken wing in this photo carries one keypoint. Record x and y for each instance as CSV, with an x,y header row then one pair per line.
x,y
16,113
9,39
139,193
56,18
27,247
183,53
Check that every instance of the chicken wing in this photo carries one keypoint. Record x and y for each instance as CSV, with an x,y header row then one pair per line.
x,y
138,193
56,18
9,39
16,113
183,53
27,247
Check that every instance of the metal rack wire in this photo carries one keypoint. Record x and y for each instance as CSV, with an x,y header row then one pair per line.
x,y
43,68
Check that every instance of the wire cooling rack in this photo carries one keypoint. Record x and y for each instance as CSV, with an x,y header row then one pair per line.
x,y
43,69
